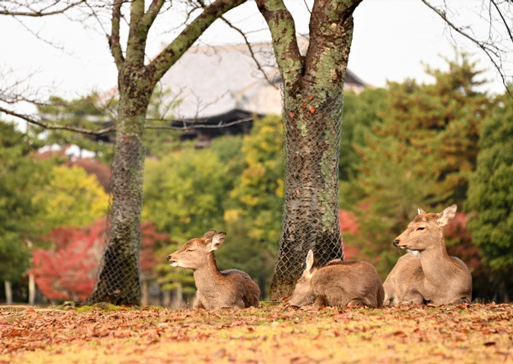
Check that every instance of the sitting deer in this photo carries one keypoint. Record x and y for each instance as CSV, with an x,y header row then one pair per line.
x,y
230,288
435,277
338,283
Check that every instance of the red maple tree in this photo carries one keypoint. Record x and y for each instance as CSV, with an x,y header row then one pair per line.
x,y
69,271
348,222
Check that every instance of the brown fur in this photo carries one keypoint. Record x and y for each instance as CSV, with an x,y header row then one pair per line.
x,y
434,278
339,283
230,288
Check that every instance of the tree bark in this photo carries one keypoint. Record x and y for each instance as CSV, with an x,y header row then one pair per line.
x,y
313,100
8,293
32,290
119,280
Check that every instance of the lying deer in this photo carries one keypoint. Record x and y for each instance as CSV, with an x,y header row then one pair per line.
x,y
338,283
434,278
230,288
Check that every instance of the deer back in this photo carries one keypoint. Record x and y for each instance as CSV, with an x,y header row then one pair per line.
x,y
339,283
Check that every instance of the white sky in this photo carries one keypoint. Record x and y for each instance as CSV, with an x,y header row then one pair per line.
x,y
391,39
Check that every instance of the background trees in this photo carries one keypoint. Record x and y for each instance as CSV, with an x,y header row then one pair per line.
x,y
22,176
421,155
490,198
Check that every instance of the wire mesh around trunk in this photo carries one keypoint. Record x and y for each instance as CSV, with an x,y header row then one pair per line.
x,y
119,280
310,208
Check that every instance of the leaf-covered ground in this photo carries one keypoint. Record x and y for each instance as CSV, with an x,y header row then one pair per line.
x,y
275,334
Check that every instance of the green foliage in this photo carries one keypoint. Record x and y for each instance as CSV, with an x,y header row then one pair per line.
x,y
442,121
185,192
490,194
235,186
84,112
258,195
71,198
361,112
158,142
420,155
21,177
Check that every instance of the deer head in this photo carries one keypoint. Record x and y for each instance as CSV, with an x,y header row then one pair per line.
x,y
303,293
426,230
197,253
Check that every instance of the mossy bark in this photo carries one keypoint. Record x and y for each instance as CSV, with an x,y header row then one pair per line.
x,y
313,86
119,280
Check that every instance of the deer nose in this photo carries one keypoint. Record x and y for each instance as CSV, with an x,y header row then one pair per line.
x,y
396,242
168,257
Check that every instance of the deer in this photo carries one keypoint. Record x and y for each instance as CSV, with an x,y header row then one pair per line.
x,y
228,289
338,283
434,277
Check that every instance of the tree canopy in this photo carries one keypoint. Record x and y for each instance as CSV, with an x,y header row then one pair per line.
x,y
490,196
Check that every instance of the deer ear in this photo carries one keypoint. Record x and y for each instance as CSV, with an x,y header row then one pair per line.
x,y
217,240
311,265
421,212
209,234
447,215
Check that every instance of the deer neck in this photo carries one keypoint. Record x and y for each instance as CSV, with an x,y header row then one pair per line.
x,y
436,263
207,275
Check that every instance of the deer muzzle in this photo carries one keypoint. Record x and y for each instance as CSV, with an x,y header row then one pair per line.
x,y
172,261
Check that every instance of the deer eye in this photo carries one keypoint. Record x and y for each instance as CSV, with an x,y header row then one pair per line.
x,y
189,250
420,228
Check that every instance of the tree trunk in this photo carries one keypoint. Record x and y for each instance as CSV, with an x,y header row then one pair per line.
x,y
8,293
312,93
32,290
310,221
119,281
177,298
145,293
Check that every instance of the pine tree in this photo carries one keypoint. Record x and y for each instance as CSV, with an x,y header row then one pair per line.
x,y
421,155
22,176
490,197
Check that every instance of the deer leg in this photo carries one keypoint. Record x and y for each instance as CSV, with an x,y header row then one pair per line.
x,y
356,303
198,305
413,296
459,301
319,301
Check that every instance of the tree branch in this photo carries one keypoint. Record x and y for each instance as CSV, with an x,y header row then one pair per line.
x,y
331,29
286,49
114,43
488,48
41,12
45,125
248,44
150,16
189,35
195,126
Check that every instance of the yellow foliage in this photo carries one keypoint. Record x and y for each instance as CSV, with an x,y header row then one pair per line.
x,y
280,190
232,215
72,198
249,200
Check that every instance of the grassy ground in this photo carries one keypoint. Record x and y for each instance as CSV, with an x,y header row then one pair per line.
x,y
275,334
